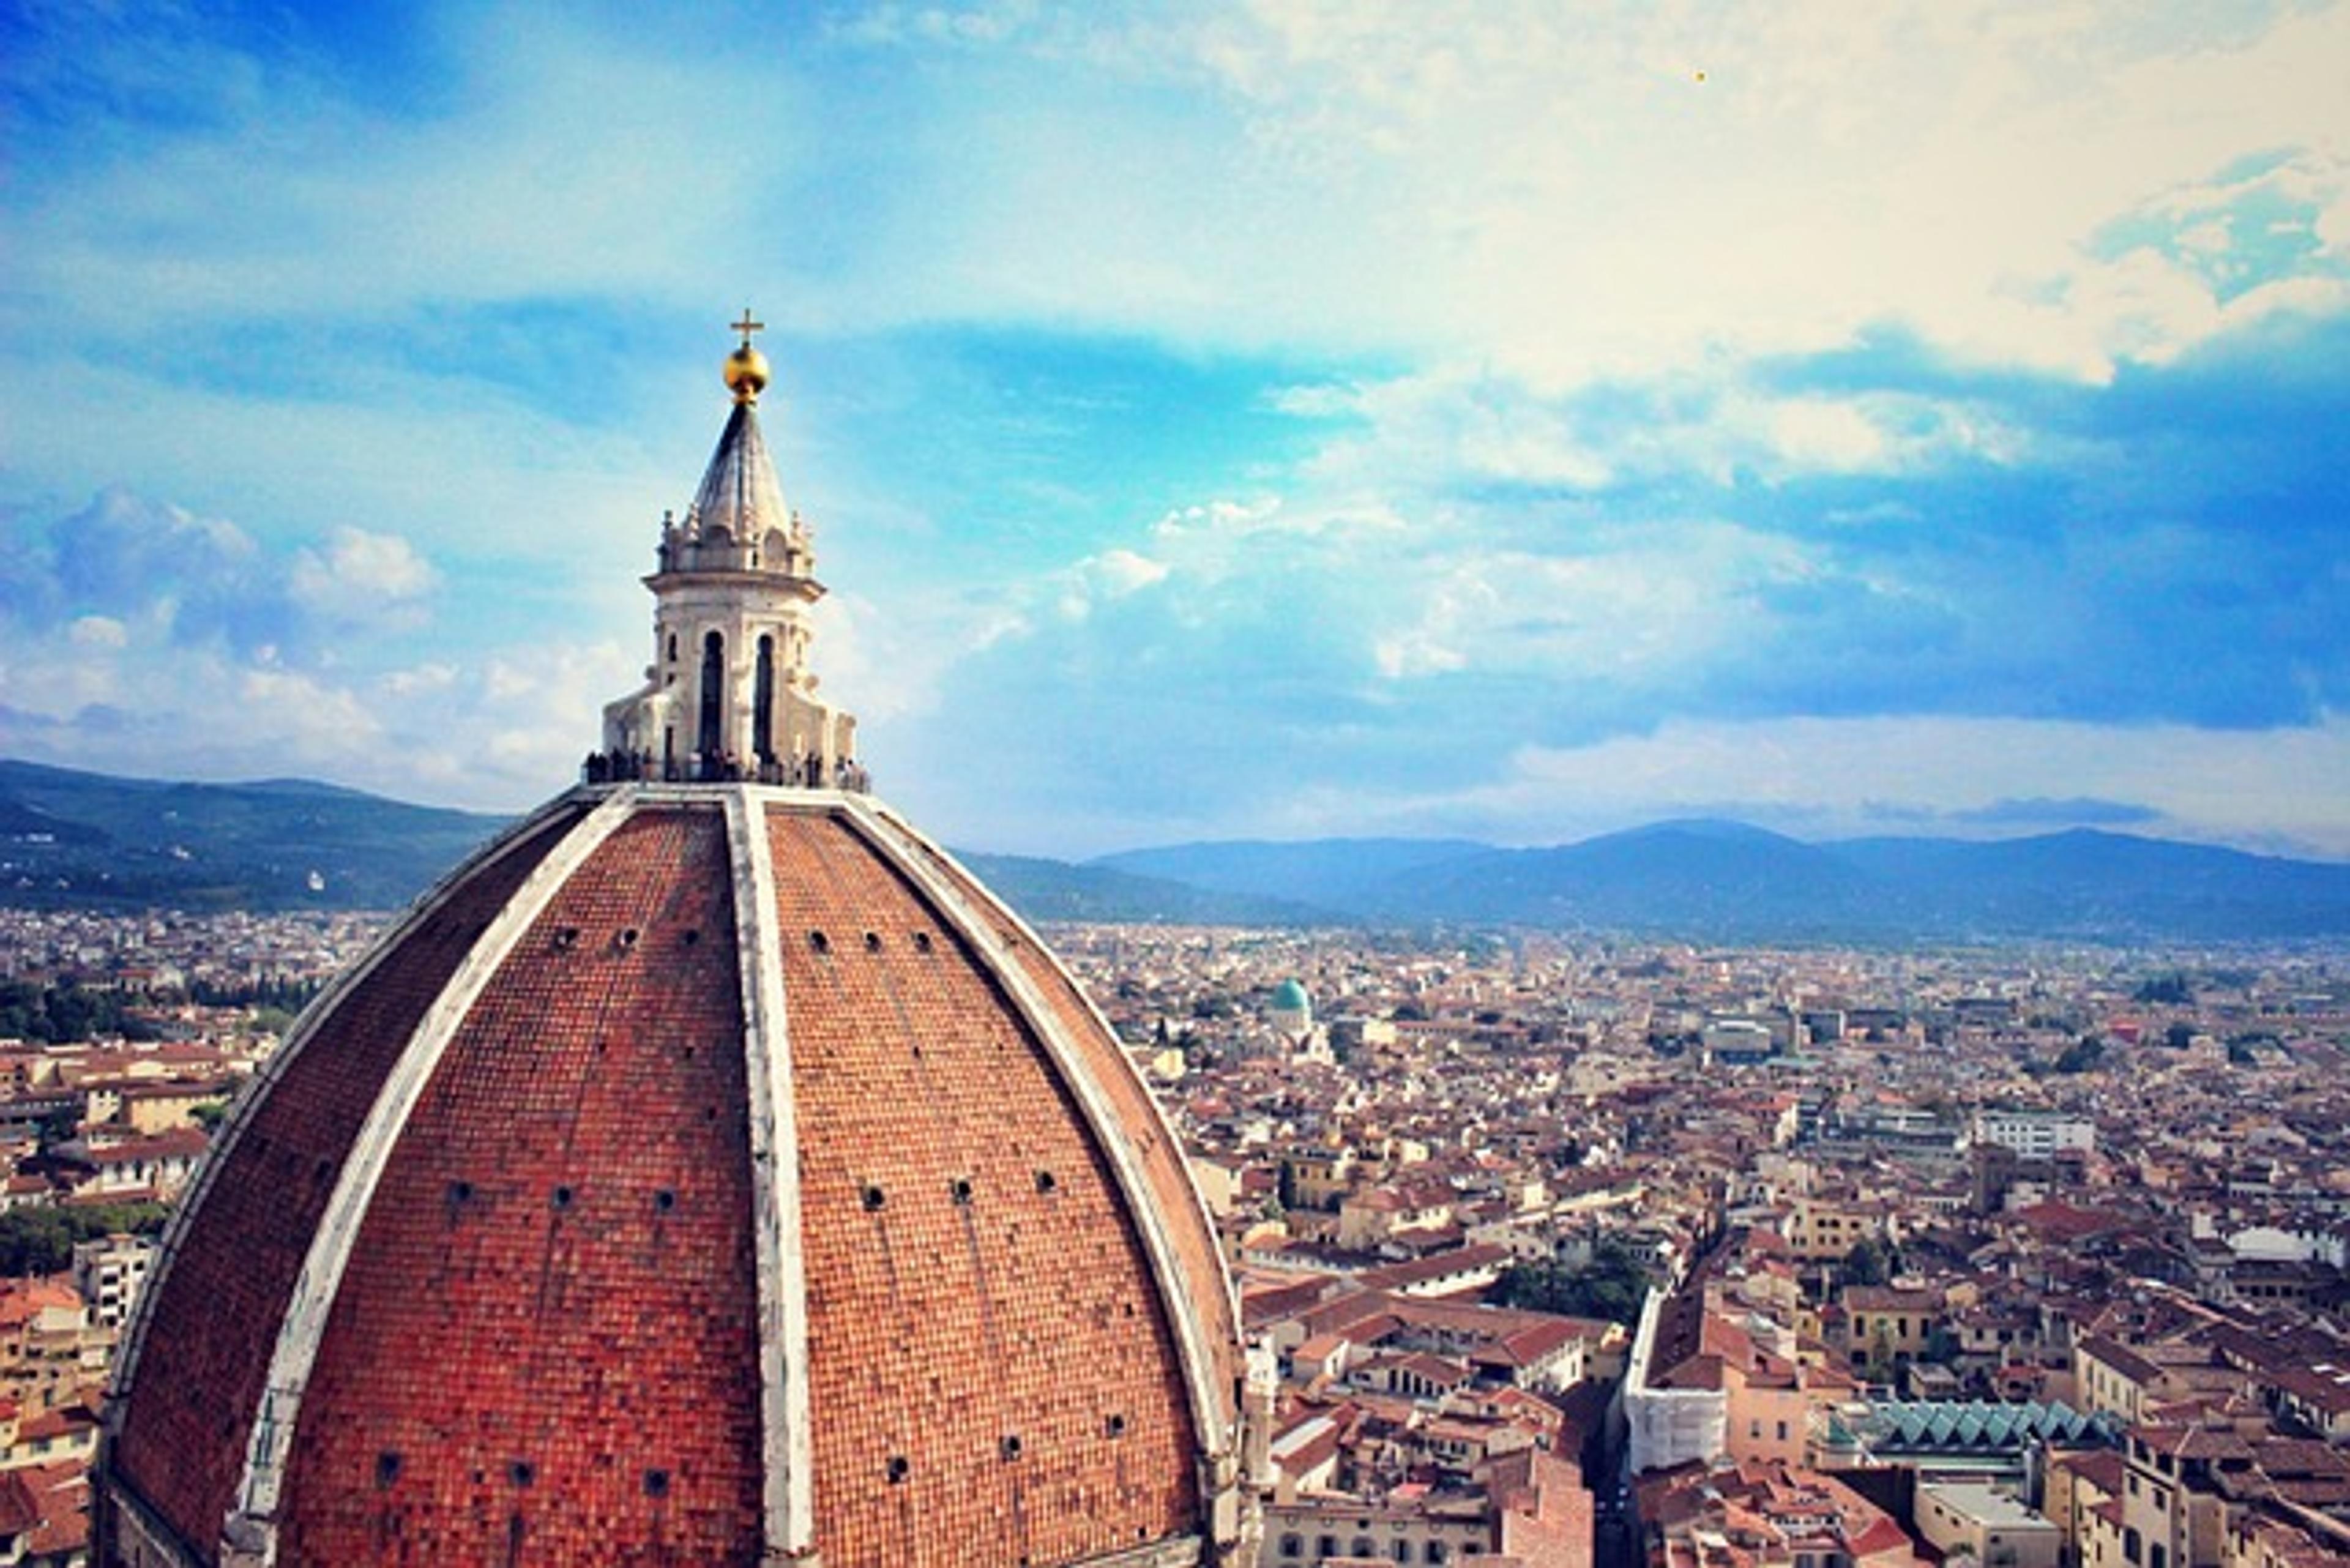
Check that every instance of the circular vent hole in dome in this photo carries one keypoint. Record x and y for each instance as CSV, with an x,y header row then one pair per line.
x,y
960,1188
625,940
522,1472
872,942
461,1192
819,942
1010,1446
874,1198
664,1200
387,1467
692,937
656,1483
922,941
898,1469
563,1198
1047,1181
565,938
1115,1426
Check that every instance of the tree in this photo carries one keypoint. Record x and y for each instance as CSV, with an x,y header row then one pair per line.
x,y
1613,1285
58,1014
40,1241
1871,1261
58,1127
35,1241
2082,1055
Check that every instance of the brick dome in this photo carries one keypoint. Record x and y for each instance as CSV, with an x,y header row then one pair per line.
x,y
707,1172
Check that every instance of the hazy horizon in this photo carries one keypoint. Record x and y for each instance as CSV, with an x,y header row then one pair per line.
x,y
1976,830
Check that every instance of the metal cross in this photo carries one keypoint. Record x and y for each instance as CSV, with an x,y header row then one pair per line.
x,y
746,326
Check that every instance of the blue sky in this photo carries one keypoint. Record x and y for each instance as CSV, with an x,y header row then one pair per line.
x,y
1269,419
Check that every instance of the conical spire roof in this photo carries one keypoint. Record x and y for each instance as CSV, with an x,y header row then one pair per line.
x,y
739,489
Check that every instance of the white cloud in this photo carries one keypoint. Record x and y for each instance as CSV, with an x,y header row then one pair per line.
x,y
1622,605
303,716
424,678
1506,184
1825,777
1583,206
1209,537
1434,432
1820,433
505,474
889,665
1120,572
499,734
359,577
1222,517
217,657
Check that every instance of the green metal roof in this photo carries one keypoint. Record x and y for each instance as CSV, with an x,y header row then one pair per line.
x,y
1962,1426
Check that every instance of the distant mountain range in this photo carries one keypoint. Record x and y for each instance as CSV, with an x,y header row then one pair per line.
x,y
1729,880
1056,890
81,839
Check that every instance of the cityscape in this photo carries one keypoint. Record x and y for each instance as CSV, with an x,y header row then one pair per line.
x,y
2023,1256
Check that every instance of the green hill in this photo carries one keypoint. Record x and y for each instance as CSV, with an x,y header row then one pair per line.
x,y
79,839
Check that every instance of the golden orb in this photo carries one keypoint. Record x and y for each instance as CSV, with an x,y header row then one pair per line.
x,y
746,374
